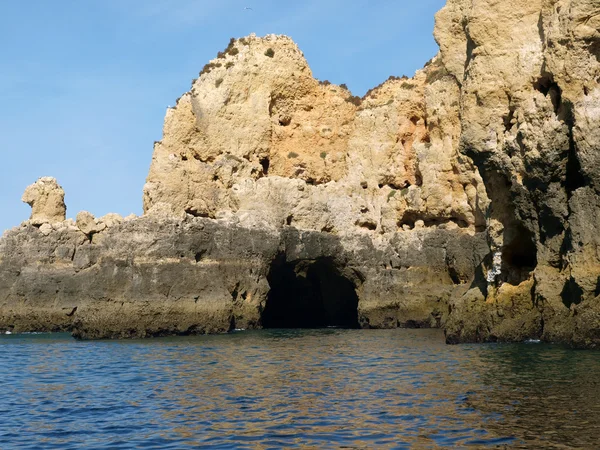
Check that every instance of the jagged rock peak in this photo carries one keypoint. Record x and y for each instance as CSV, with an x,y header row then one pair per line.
x,y
259,140
47,200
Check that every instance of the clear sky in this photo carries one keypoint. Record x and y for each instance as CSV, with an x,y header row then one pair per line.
x,y
84,84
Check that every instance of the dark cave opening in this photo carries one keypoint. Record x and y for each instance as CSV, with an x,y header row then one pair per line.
x,y
519,255
519,252
571,293
309,294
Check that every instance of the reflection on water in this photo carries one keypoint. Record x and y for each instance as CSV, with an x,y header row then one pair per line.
x,y
273,389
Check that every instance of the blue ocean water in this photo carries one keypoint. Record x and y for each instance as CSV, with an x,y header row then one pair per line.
x,y
295,388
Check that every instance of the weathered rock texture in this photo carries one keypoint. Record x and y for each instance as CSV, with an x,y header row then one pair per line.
x,y
530,113
260,141
47,201
149,277
464,197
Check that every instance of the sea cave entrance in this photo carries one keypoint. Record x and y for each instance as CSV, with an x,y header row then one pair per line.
x,y
309,294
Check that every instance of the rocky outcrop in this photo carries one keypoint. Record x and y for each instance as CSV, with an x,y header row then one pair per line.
x,y
149,277
260,141
528,74
47,201
465,197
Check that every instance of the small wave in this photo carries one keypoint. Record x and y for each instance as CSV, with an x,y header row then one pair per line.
x,y
26,332
533,341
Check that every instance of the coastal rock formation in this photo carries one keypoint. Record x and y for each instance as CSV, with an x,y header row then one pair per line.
x,y
256,125
47,201
465,197
529,93
149,277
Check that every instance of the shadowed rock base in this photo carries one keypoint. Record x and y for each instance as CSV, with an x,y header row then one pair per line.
x,y
149,277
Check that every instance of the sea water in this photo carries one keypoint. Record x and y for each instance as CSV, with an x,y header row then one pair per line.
x,y
295,388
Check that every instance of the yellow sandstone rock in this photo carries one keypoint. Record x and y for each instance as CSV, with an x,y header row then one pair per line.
x,y
47,201
260,141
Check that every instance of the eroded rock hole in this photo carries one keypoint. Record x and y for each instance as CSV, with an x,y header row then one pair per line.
x,y
265,163
547,86
455,276
309,294
194,212
200,255
508,118
519,250
594,49
572,294
575,178
519,255
418,177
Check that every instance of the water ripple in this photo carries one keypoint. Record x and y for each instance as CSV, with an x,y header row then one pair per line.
x,y
295,389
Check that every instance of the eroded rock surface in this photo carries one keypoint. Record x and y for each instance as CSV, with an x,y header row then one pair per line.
x,y
465,197
530,97
259,140
149,277
47,201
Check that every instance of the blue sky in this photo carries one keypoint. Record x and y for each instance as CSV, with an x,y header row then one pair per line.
x,y
84,84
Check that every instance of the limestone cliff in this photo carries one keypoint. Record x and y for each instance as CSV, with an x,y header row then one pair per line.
x,y
260,141
528,74
464,197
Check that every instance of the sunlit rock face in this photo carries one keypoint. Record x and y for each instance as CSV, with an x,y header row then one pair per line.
x,y
465,197
260,141
47,201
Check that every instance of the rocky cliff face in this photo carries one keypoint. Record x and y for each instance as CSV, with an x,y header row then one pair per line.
x,y
148,277
464,197
260,141
528,74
